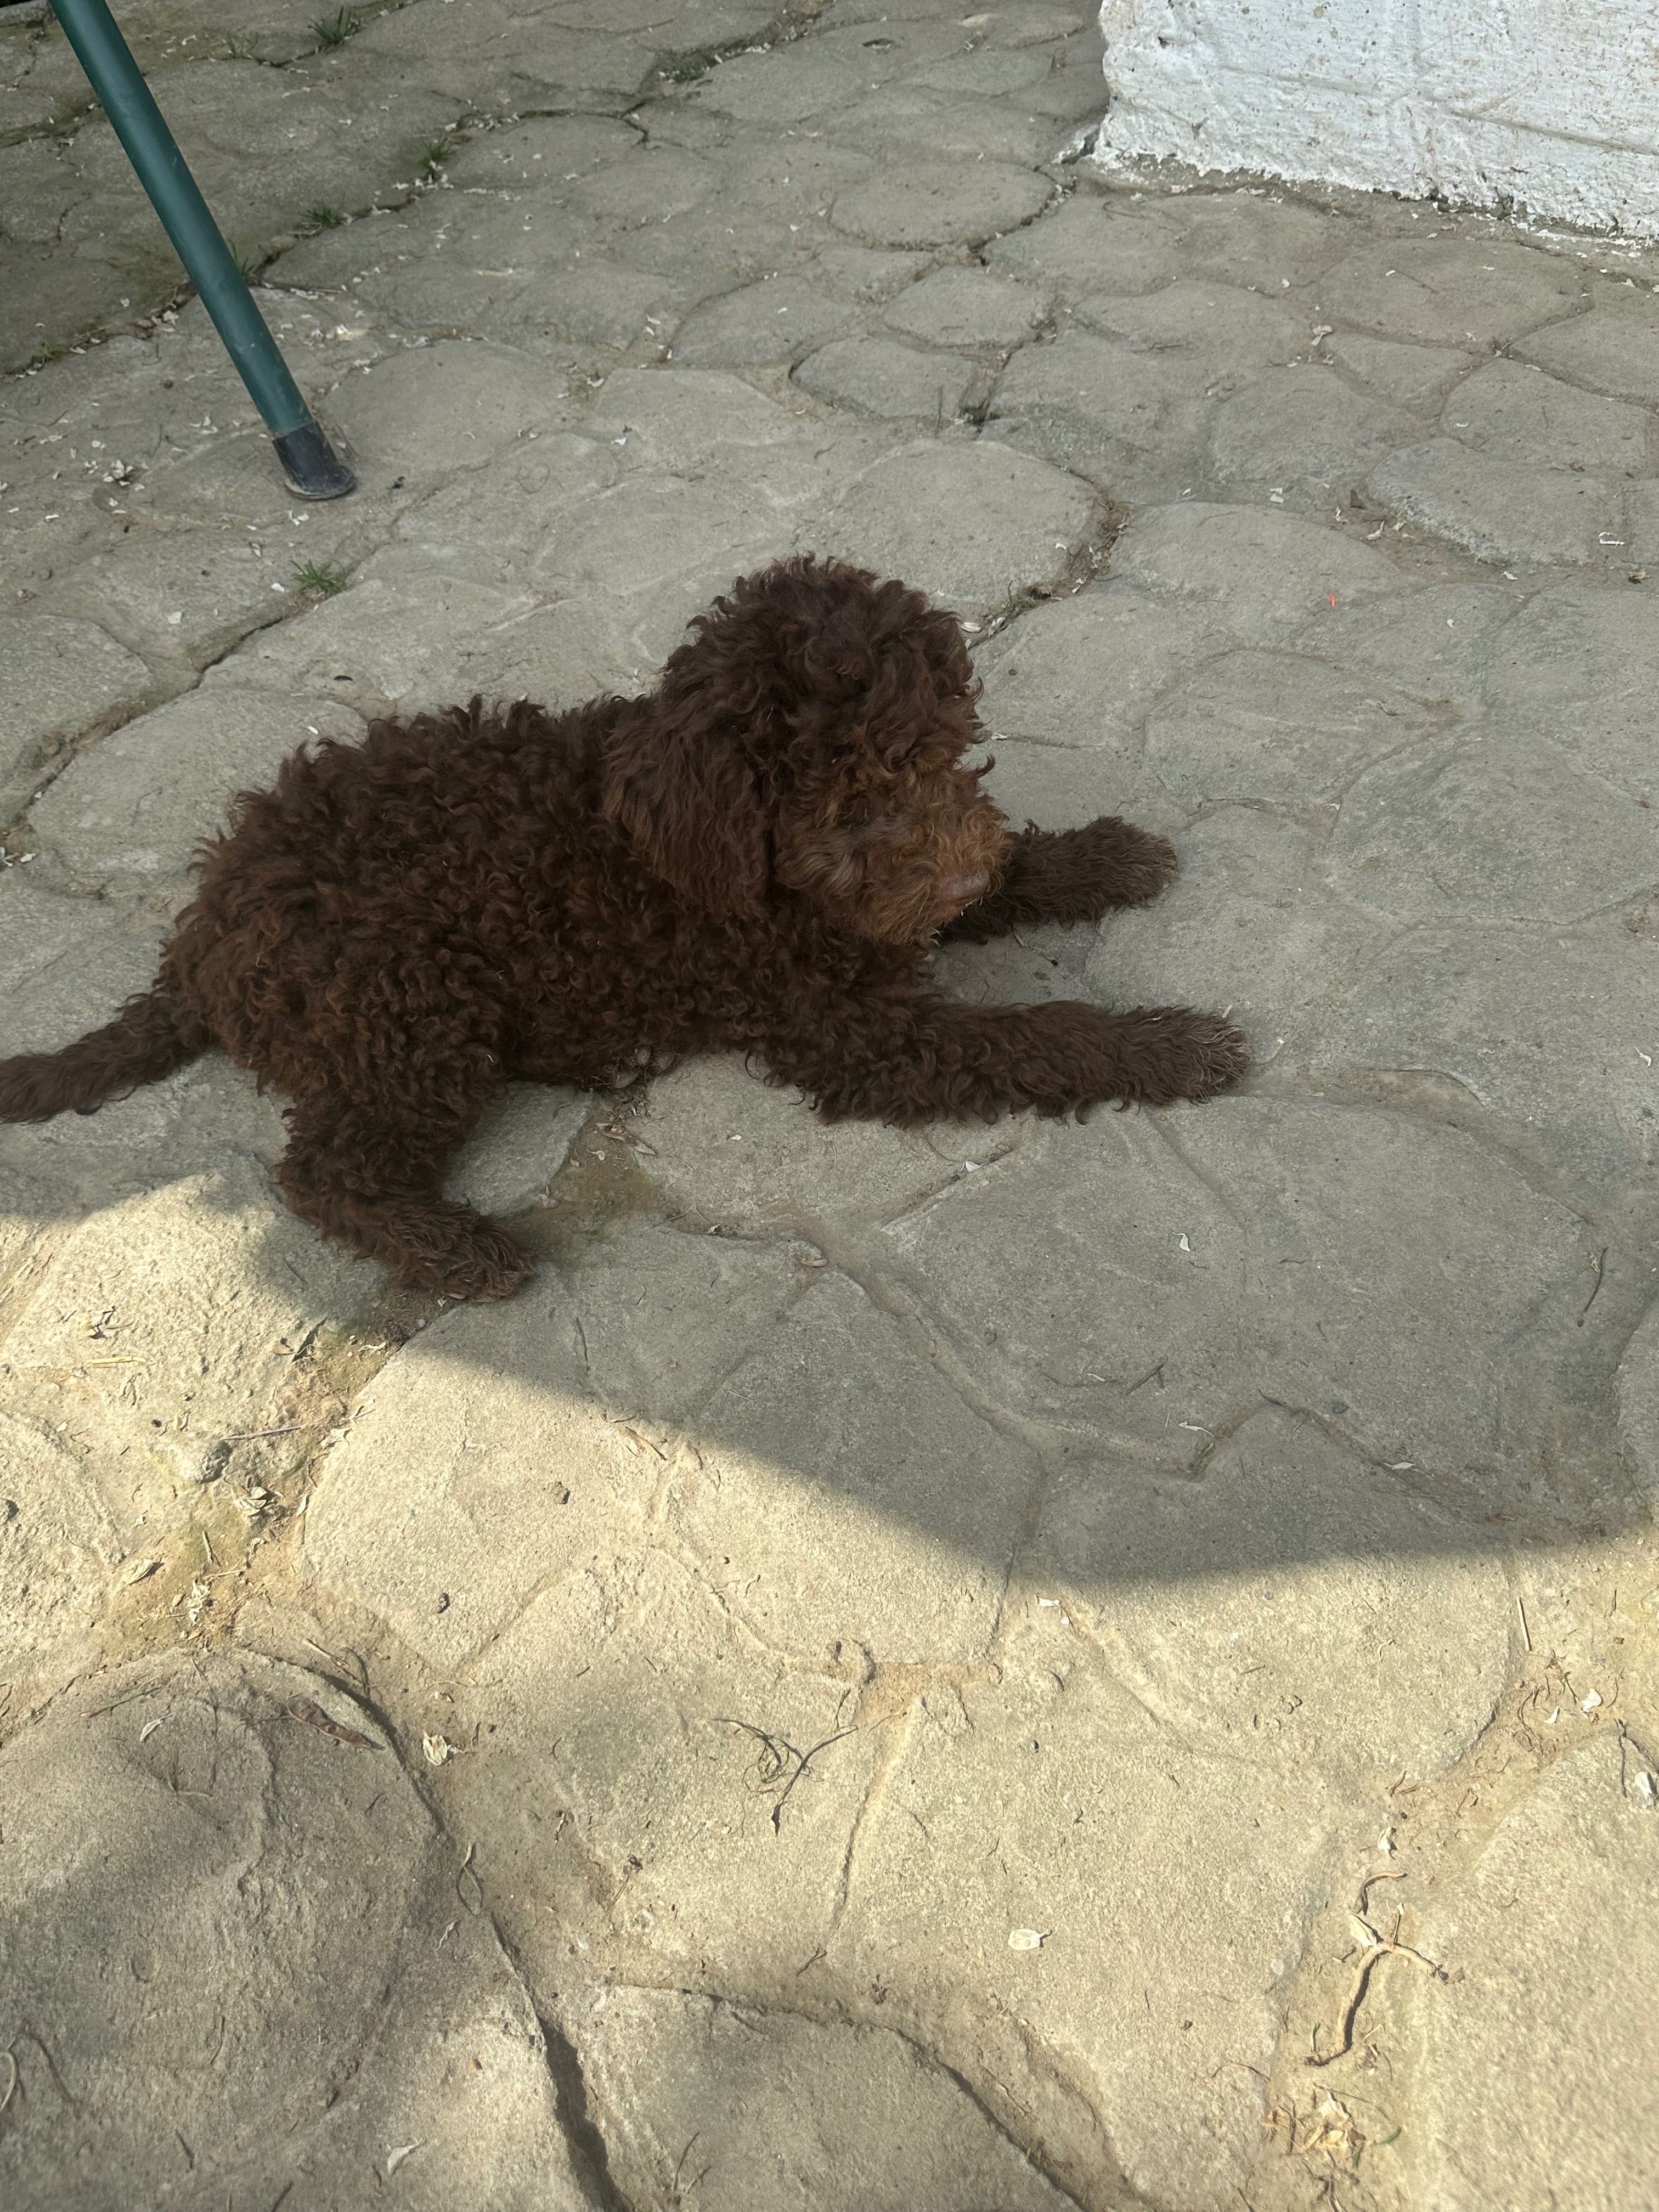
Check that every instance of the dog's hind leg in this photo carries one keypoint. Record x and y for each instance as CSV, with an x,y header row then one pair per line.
x,y
1068,875
372,1178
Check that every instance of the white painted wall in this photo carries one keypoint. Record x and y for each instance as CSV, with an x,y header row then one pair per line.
x,y
1552,104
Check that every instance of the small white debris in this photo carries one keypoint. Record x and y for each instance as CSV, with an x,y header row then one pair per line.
x,y
175,620
1184,1243
1589,1703
439,1750
1027,1939
396,2159
150,1729
1646,1789
1048,1601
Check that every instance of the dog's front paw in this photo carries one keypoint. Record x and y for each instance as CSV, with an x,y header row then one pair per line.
x,y
1188,1055
1136,864
1079,875
469,1258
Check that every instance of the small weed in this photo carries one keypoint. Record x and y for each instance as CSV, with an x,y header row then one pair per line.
x,y
434,156
324,218
250,264
334,30
238,50
321,579
54,349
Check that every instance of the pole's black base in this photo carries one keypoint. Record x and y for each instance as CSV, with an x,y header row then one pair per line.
x,y
311,463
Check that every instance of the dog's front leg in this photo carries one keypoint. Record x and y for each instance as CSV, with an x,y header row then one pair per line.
x,y
1068,875
916,1060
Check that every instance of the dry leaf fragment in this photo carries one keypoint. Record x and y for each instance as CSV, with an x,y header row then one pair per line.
x,y
135,1570
625,1136
636,1443
438,1748
302,1709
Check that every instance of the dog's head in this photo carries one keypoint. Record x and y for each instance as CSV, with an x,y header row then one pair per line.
x,y
807,741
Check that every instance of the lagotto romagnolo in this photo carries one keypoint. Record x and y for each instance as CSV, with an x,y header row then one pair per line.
x,y
759,855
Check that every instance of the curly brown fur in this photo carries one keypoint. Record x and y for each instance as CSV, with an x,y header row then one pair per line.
x,y
758,856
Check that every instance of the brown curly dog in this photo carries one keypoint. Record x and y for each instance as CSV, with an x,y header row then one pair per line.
x,y
759,856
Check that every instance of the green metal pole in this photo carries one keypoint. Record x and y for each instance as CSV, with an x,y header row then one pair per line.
x,y
308,460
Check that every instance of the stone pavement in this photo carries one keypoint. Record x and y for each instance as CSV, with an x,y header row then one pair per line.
x,y
959,1672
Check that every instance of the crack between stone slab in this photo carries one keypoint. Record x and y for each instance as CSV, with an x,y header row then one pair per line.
x,y
869,1807
1224,1198
68,128
94,732
1491,1131
783,28
1042,1443
584,2138
656,1534
1443,1842
892,1295
844,2012
1045,2063
1048,1439
1126,1671
1425,1486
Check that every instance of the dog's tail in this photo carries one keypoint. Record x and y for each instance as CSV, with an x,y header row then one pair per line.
x,y
149,1038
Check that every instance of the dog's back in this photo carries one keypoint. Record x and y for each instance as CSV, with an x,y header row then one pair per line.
x,y
432,834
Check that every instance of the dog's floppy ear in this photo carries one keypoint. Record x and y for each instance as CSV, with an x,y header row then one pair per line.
x,y
678,784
